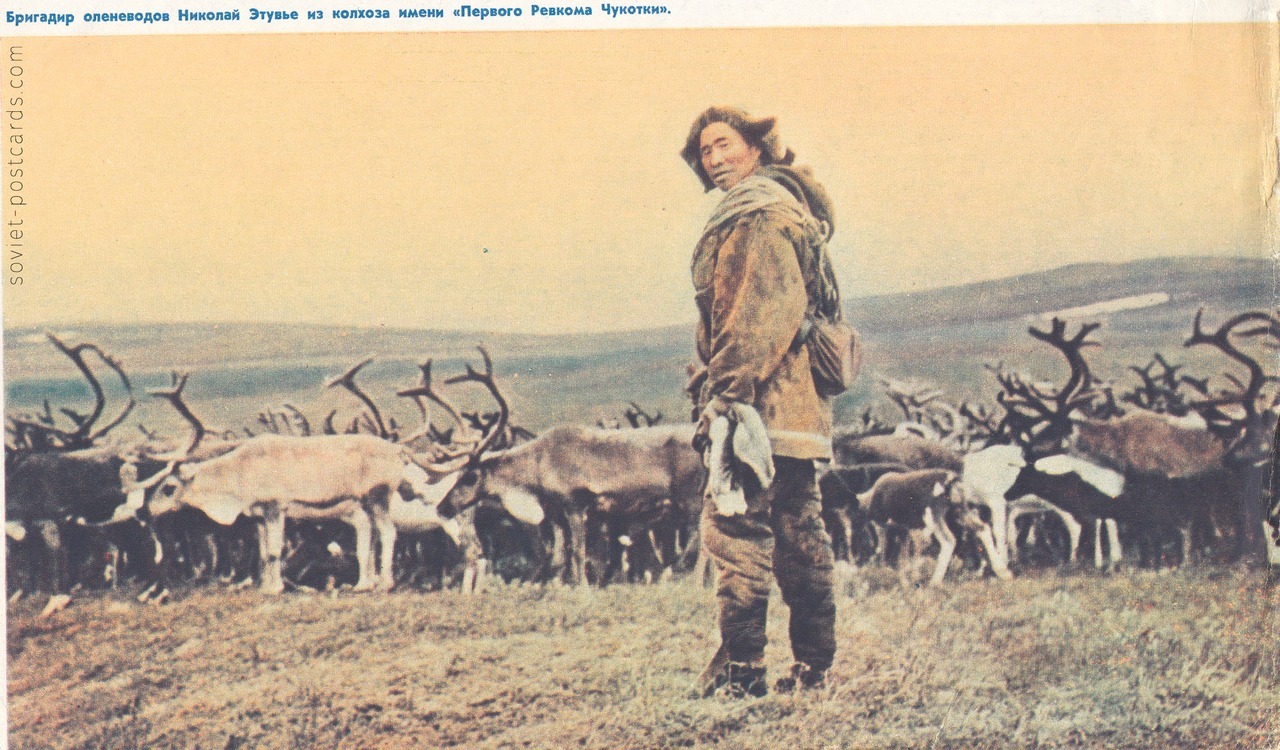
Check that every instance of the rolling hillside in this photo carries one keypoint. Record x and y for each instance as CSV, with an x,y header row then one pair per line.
x,y
943,336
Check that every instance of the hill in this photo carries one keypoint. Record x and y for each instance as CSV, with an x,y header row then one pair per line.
x,y
943,336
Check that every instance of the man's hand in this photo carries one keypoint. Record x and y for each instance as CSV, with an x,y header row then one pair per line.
x,y
716,407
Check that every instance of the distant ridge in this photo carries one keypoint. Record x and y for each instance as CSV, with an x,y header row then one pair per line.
x,y
1229,282
943,336
1223,282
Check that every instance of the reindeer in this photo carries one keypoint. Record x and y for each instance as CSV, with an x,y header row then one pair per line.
x,y
1077,489
1174,468
1236,416
910,450
929,500
56,502
843,516
641,548
354,478
63,486
412,510
575,474
470,436
985,473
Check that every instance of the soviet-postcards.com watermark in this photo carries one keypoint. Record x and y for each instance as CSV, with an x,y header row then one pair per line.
x,y
15,172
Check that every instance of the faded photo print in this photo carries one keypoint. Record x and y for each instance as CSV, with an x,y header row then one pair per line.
x,y
826,387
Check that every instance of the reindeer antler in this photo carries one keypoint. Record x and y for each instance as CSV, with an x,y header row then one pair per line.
x,y
486,379
173,395
911,398
425,389
348,381
1027,405
1160,391
1244,430
636,415
1080,379
83,435
304,424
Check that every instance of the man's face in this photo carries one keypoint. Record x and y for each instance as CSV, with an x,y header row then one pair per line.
x,y
726,155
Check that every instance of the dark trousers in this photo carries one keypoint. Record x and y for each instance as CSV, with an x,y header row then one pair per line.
x,y
780,535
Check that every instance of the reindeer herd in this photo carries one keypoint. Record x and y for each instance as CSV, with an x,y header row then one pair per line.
x,y
1178,468
288,506
1181,467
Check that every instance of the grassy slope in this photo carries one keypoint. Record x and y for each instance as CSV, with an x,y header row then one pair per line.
x,y
1132,660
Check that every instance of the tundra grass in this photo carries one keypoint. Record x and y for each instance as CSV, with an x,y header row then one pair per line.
x,y
1187,659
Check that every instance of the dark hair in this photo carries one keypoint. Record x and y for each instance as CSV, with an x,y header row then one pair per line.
x,y
761,133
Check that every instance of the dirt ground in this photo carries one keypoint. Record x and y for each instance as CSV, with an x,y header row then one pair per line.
x,y
1185,659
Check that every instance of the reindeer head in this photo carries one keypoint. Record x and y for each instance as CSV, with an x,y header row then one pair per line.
x,y
468,490
167,496
1023,484
475,482
948,485
483,484
172,481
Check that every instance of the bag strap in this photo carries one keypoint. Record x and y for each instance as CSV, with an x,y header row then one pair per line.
x,y
823,293
828,303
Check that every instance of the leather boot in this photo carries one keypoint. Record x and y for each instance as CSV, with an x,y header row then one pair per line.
x,y
739,680
802,677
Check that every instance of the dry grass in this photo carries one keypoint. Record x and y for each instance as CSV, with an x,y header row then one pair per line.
x,y
1186,659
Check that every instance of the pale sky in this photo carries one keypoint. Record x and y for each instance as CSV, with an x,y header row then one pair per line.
x,y
530,181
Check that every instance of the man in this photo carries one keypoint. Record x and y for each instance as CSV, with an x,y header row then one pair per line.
x,y
757,278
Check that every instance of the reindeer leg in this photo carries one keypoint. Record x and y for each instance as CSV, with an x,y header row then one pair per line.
x,y
1113,542
1097,543
946,544
475,565
55,554
1011,533
209,549
387,541
1073,534
846,531
664,552
990,547
271,543
999,534
560,549
577,548
113,567
260,528
360,521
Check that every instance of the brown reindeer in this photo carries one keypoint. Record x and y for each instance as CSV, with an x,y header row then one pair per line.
x,y
63,486
929,501
1176,469
578,474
